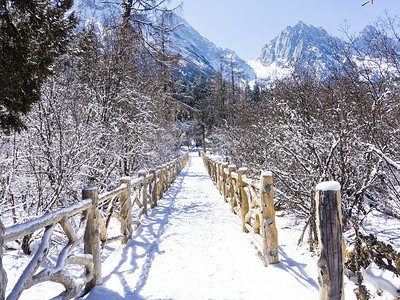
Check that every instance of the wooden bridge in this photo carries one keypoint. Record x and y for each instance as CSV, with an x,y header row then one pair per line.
x,y
86,226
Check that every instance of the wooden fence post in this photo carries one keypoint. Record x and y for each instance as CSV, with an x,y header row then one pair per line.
x,y
244,204
215,168
143,190
270,233
153,188
168,175
232,168
224,181
3,274
164,181
126,208
218,166
159,183
175,170
92,236
330,241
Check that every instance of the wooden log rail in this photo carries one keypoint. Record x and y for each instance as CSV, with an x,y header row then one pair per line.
x,y
250,199
127,204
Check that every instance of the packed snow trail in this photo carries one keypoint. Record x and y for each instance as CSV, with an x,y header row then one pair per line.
x,y
191,247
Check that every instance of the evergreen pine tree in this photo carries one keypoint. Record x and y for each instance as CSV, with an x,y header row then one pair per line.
x,y
33,33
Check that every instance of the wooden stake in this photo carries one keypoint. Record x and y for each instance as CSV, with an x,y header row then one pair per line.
x,y
270,233
244,203
153,188
125,203
330,241
232,168
92,238
224,181
143,190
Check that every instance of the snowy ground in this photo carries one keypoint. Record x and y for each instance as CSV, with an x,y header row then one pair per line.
x,y
191,247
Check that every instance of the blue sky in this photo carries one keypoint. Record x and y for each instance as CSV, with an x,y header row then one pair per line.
x,y
245,26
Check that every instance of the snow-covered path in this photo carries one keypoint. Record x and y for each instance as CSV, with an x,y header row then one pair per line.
x,y
191,247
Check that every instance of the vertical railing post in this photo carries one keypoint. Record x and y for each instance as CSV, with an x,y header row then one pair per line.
x,y
159,183
168,175
153,188
171,173
3,274
218,167
92,236
164,182
232,168
143,190
175,169
244,204
270,233
330,241
126,208
224,181
212,170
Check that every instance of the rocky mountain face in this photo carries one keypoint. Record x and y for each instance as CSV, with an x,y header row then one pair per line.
x,y
199,56
303,44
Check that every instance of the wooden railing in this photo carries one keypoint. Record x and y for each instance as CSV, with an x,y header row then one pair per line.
x,y
252,200
127,204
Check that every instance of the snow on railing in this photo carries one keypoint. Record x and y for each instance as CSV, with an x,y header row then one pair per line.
x,y
126,204
252,200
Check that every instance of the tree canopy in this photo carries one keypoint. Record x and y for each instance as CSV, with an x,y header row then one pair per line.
x,y
33,34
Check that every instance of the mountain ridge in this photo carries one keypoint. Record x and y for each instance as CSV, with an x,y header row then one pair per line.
x,y
300,43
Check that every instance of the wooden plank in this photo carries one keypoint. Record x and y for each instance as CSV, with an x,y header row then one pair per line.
x,y
330,241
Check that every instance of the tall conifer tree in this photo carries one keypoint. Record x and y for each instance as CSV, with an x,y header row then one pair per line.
x,y
33,33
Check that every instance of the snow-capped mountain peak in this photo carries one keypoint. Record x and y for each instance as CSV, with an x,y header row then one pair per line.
x,y
200,56
301,43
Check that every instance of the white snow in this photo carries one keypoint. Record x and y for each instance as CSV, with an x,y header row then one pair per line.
x,y
385,157
191,247
272,72
266,173
328,186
